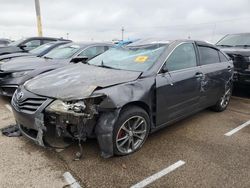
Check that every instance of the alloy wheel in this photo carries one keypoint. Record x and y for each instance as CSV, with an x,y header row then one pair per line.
x,y
225,98
131,134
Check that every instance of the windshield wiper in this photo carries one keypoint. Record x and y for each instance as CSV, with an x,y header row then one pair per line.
x,y
224,45
243,45
106,66
45,57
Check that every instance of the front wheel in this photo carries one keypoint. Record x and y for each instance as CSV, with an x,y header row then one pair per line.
x,y
131,130
223,102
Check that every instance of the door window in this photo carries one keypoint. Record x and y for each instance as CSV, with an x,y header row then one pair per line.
x,y
182,57
92,51
208,55
47,41
32,44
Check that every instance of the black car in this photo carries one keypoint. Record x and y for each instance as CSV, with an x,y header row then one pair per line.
x,y
26,44
37,52
16,72
124,94
237,46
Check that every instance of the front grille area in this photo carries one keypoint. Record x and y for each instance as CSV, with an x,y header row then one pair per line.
x,y
240,62
28,105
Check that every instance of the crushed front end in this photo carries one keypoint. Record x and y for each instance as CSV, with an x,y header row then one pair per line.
x,y
241,68
44,119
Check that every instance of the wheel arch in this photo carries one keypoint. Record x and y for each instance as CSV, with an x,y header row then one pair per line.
x,y
142,105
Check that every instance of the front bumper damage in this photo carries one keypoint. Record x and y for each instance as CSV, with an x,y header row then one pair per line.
x,y
242,77
46,122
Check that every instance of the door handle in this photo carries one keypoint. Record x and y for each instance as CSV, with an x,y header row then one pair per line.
x,y
199,75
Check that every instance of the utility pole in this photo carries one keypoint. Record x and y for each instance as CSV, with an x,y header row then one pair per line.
x,y
38,17
123,32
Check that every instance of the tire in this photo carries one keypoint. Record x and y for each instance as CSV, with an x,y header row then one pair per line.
x,y
224,100
127,137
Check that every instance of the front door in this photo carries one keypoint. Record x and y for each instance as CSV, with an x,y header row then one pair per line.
x,y
178,90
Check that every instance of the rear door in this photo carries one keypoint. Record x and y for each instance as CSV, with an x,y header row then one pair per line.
x,y
178,90
216,71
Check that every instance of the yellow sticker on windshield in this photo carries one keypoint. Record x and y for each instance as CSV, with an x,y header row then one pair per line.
x,y
141,59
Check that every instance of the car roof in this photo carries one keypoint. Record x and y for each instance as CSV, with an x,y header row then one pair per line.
x,y
152,41
86,44
239,34
149,41
52,38
3,39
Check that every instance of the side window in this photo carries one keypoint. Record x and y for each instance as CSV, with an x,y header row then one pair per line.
x,y
47,41
208,55
92,51
182,57
32,44
223,58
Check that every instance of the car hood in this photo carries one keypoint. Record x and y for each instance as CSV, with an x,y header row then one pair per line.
x,y
14,55
23,64
237,51
77,81
10,49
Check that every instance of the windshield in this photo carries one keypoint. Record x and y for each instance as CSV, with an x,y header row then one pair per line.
x,y
17,42
235,40
41,49
133,59
63,52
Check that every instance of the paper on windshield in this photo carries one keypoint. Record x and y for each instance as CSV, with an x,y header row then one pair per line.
x,y
141,59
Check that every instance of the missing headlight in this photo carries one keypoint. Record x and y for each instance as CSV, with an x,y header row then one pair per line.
x,y
79,107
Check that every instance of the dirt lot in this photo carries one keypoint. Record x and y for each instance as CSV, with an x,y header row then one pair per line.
x,y
211,158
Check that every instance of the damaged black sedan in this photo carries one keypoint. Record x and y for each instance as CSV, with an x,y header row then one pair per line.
x,y
124,94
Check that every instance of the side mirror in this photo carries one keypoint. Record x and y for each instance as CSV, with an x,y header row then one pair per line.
x,y
164,69
79,59
22,46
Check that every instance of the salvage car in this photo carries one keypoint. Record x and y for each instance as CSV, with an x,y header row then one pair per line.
x,y
37,52
124,94
16,72
26,44
237,46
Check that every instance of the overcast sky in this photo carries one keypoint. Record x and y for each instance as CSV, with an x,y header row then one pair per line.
x,y
102,20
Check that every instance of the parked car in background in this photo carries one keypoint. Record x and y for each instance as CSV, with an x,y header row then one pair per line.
x,y
125,42
26,44
124,94
37,52
16,72
4,42
237,46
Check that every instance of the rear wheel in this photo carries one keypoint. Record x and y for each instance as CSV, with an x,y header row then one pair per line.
x,y
223,102
131,130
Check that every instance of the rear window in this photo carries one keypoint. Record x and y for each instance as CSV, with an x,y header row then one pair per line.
x,y
208,55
